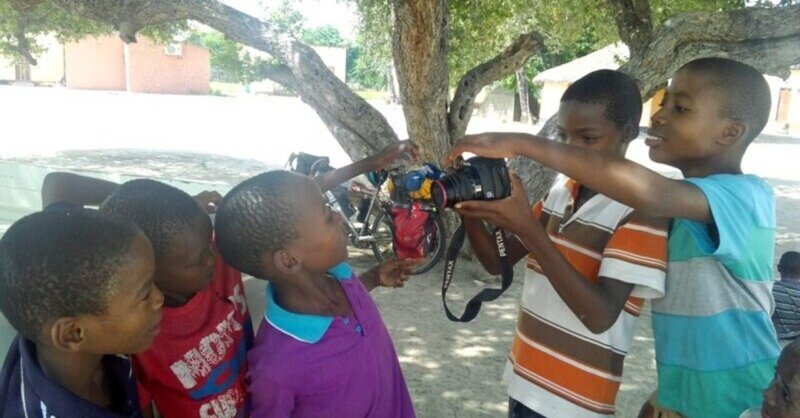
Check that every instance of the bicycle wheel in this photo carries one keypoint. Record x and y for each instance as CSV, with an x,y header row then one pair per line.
x,y
381,228
383,249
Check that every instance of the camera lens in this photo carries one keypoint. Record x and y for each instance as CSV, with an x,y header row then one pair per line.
x,y
478,179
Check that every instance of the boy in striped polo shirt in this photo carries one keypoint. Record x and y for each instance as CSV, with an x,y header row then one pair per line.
x,y
592,262
716,348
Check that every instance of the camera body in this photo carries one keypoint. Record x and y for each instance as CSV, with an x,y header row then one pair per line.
x,y
477,178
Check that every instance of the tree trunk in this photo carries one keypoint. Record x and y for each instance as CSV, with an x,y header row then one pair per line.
x,y
524,97
419,47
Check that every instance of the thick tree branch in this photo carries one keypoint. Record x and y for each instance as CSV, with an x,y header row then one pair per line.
x,y
634,23
356,120
502,65
766,38
23,46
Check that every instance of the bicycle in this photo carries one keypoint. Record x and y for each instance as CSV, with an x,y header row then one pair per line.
x,y
366,210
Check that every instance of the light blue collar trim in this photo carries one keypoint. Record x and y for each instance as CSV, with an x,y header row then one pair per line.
x,y
303,327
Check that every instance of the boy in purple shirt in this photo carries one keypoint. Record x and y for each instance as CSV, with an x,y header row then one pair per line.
x,y
323,350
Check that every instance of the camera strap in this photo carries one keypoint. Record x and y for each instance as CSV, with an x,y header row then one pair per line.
x,y
485,295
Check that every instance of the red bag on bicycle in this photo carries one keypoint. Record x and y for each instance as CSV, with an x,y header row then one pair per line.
x,y
412,227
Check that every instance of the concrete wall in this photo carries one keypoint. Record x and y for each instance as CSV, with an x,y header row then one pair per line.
x,y
106,63
95,63
151,70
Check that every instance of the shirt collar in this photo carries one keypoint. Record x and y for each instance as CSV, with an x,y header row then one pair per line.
x,y
42,394
303,327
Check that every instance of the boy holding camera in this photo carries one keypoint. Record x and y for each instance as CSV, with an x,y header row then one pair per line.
x,y
591,262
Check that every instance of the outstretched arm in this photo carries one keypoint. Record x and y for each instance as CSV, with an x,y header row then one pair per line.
x,y
75,189
380,160
620,179
80,191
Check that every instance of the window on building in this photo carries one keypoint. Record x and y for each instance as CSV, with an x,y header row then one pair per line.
x,y
175,50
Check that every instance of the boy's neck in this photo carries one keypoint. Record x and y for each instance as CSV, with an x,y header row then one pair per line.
x,y
82,374
174,300
719,164
314,294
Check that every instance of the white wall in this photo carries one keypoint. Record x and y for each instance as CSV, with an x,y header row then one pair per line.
x,y
551,98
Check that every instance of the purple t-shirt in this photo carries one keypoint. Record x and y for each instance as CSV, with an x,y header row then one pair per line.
x,y
317,366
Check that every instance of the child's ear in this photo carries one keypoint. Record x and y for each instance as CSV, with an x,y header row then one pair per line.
x,y
67,334
630,132
285,262
733,132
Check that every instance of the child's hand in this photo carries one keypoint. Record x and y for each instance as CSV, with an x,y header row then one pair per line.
x,y
512,214
398,150
487,144
209,200
394,273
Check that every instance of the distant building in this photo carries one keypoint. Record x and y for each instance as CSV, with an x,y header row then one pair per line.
x,y
107,63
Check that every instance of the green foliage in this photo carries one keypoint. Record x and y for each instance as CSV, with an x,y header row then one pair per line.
x,y
480,29
36,18
285,18
230,62
227,63
370,58
363,72
326,35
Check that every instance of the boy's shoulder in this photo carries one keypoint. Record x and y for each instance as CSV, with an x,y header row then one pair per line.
x,y
738,196
27,391
741,234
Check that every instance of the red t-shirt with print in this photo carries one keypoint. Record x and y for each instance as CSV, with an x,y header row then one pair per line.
x,y
196,366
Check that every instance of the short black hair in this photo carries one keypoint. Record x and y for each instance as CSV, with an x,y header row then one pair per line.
x,y
161,211
257,216
746,92
60,263
615,90
789,264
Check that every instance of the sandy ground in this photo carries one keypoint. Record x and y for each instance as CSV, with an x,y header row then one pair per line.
x,y
453,370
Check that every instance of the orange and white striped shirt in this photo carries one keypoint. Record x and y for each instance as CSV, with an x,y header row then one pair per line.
x,y
557,367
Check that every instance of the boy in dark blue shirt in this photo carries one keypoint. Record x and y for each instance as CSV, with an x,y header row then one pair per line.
x,y
78,287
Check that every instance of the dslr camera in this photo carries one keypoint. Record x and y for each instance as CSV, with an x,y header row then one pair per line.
x,y
477,178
